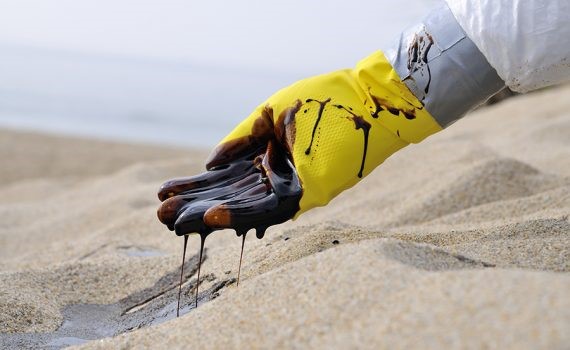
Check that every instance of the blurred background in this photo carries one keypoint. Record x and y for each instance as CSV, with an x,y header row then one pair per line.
x,y
171,71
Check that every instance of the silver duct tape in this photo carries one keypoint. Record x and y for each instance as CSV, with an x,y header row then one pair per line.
x,y
443,67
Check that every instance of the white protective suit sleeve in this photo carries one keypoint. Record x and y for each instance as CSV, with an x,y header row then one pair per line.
x,y
464,52
526,41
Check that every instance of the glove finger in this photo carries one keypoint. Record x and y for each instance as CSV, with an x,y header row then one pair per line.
x,y
216,177
171,208
281,173
255,210
247,140
189,217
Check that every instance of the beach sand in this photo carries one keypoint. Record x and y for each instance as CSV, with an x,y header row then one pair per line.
x,y
462,241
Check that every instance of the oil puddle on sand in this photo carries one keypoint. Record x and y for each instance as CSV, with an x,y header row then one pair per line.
x,y
151,306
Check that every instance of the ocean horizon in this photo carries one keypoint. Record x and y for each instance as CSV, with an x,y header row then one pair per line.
x,y
127,98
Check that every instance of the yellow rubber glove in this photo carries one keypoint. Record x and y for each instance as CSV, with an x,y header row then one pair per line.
x,y
336,127
298,150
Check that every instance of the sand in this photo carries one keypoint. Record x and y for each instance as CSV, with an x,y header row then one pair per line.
x,y
462,241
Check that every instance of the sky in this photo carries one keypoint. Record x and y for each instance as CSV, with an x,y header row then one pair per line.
x,y
178,55
292,34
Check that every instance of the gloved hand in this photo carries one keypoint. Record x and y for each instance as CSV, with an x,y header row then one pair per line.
x,y
299,149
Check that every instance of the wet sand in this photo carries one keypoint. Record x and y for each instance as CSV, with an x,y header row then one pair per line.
x,y
460,241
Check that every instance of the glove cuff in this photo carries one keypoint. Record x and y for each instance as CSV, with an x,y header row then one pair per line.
x,y
443,68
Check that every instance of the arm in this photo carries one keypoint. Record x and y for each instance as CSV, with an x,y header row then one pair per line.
x,y
463,53
320,136
442,66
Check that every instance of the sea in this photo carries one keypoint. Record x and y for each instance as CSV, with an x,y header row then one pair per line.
x,y
132,99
